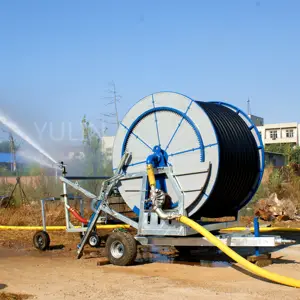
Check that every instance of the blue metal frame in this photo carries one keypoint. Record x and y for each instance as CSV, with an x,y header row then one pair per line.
x,y
136,210
154,110
158,93
129,131
260,147
256,234
153,102
201,146
179,124
156,123
159,158
157,149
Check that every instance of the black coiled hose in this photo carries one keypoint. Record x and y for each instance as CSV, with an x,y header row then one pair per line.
x,y
239,164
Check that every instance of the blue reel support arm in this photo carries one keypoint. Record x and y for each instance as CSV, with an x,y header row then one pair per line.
x,y
159,158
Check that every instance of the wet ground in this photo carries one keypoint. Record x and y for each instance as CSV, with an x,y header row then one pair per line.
x,y
159,273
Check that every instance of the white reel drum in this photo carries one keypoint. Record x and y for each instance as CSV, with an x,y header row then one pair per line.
x,y
213,149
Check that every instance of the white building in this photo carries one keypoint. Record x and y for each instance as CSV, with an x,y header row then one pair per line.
x,y
281,133
107,146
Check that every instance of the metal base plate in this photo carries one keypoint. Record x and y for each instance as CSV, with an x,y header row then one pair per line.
x,y
231,241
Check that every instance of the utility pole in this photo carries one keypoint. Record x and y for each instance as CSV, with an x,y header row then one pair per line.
x,y
248,107
13,152
114,98
115,101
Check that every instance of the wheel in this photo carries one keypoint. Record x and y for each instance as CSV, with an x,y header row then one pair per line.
x,y
121,248
94,240
41,240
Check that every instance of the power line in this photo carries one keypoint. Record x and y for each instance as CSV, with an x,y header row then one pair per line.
x,y
113,100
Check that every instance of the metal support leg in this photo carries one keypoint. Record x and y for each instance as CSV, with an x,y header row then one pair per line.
x,y
43,214
81,209
105,190
65,195
256,234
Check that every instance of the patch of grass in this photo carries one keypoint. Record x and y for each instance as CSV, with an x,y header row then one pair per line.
x,y
34,187
285,182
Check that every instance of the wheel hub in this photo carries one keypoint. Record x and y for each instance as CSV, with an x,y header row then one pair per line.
x,y
40,241
117,249
93,240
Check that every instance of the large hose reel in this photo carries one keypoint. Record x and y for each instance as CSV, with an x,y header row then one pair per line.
x,y
214,150
215,154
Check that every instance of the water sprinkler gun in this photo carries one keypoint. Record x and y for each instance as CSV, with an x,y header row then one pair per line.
x,y
62,166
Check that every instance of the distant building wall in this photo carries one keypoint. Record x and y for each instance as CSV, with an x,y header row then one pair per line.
x,y
107,146
281,133
276,159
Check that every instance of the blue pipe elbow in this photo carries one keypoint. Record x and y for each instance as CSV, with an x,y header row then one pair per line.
x,y
152,159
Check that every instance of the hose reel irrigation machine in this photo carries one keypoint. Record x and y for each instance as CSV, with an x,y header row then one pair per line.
x,y
178,162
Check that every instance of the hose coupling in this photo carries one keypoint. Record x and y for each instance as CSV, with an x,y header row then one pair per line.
x,y
158,198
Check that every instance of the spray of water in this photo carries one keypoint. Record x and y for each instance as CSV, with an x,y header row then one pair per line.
x,y
39,160
15,128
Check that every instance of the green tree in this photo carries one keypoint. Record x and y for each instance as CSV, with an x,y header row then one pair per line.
x,y
5,147
295,155
279,148
96,162
92,147
291,151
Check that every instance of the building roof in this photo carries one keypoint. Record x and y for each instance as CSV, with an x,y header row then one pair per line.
x,y
275,153
279,125
7,158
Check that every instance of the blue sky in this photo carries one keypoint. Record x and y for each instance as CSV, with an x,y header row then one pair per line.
x,y
58,57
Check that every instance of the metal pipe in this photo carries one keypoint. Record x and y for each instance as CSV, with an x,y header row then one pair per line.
x,y
43,214
59,227
66,205
157,197
81,209
65,195
86,177
256,234
77,215
163,215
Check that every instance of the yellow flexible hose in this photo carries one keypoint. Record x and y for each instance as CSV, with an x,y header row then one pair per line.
x,y
110,226
262,229
151,176
239,259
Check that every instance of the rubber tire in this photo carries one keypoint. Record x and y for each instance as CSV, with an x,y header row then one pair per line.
x,y
94,235
44,242
130,248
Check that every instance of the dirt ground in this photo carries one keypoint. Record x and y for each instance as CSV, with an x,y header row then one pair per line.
x,y
158,274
